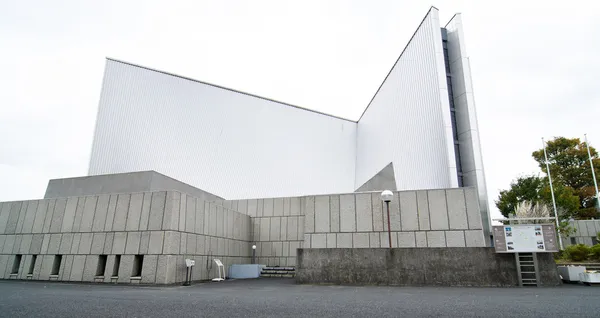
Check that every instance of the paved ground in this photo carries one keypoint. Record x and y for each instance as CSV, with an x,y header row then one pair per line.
x,y
282,298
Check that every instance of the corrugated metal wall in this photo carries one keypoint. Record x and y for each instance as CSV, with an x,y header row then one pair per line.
x,y
222,141
408,120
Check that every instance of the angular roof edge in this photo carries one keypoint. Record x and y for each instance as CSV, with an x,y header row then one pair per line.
x,y
227,88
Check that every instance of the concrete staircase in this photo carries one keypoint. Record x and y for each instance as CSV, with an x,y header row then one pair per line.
x,y
276,271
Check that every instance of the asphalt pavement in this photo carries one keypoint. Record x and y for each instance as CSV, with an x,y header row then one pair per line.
x,y
282,298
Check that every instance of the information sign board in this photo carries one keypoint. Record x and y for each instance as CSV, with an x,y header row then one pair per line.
x,y
525,238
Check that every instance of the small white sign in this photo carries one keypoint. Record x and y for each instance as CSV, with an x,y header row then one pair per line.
x,y
190,262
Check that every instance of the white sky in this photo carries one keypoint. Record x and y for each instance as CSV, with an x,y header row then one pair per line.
x,y
535,65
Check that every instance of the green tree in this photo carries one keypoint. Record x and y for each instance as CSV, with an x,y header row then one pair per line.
x,y
570,167
537,190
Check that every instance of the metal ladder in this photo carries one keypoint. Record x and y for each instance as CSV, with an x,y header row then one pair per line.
x,y
527,269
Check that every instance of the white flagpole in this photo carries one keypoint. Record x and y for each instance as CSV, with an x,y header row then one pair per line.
x,y
593,173
552,192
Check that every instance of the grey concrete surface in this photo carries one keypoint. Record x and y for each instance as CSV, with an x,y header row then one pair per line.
x,y
281,298
476,266
142,181
383,180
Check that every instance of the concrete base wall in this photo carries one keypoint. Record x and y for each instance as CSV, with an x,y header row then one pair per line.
x,y
477,266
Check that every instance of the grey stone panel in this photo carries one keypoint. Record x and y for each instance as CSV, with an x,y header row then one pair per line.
x,y
260,207
125,269
374,240
85,245
145,213
22,214
32,207
119,241
49,216
300,227
309,214
67,218
406,239
334,206
199,218
172,242
191,243
182,211
5,208
457,209
66,265
78,214
36,244
190,215
9,243
89,209
423,210
110,264
275,229
26,244
45,244
591,229
219,221
344,240
76,242
409,218
46,267
98,243
40,216
360,240
364,213
90,267
582,228
318,240
110,213
17,244
157,208
77,268
384,239
24,266
13,217
135,212
265,229
437,209
144,242
284,226
286,206
252,207
378,212
292,228
421,238
100,213
182,243
243,207
322,216
65,244
455,239
473,212
347,213
108,243
268,207
286,247
295,207
37,269
54,243
171,212
149,269
394,215
278,207
120,218
436,239
474,238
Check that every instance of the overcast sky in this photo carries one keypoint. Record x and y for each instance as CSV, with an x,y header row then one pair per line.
x,y
535,65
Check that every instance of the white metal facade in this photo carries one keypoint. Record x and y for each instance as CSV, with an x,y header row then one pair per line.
x,y
239,146
408,120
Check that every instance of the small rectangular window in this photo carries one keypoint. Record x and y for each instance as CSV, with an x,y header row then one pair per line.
x,y
573,241
115,271
16,264
101,265
594,240
138,262
56,265
32,265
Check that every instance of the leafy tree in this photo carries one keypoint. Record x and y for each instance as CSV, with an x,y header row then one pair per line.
x,y
570,167
537,190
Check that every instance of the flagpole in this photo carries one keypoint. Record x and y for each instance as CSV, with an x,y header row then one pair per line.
x,y
593,173
552,193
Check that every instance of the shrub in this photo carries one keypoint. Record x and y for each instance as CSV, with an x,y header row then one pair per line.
x,y
595,252
577,253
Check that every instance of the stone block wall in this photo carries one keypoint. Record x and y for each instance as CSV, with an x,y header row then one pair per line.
x,y
586,232
427,218
139,237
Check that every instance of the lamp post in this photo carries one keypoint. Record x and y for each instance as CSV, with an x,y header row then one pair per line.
x,y
253,254
386,196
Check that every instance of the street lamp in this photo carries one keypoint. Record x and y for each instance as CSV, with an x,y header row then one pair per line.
x,y
387,196
253,254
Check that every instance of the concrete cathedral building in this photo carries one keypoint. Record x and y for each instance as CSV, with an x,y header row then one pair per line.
x,y
245,169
